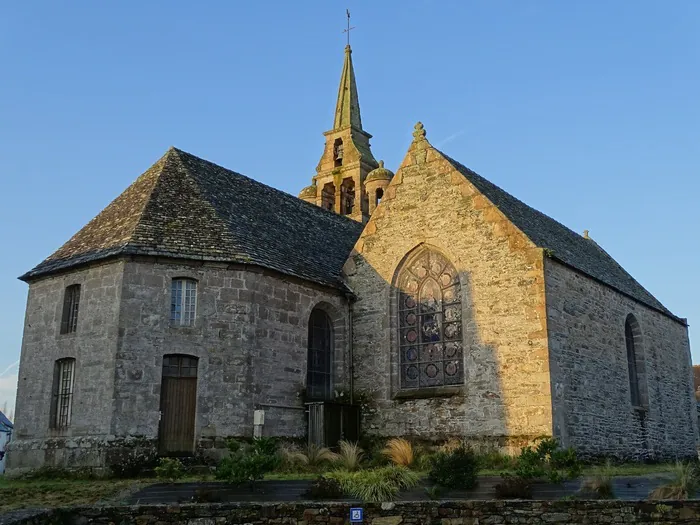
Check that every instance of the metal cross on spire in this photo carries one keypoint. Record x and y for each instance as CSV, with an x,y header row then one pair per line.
x,y
347,11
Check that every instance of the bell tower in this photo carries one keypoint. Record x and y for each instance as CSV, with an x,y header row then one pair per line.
x,y
339,183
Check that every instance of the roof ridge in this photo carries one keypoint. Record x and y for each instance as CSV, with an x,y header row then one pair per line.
x,y
291,198
567,246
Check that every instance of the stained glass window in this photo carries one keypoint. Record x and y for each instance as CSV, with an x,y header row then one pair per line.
x,y
430,322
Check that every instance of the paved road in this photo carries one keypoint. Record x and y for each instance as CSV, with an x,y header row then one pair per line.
x,y
625,488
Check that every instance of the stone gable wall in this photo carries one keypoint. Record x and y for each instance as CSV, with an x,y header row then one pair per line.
x,y
93,346
590,381
506,394
400,513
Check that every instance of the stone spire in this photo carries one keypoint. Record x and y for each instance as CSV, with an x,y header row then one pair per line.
x,y
347,109
339,183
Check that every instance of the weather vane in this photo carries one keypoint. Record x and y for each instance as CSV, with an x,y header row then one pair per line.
x,y
347,11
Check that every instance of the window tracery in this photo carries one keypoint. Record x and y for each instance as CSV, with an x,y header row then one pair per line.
x,y
430,322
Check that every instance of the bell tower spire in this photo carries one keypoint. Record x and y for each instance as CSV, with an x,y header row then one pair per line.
x,y
347,109
339,183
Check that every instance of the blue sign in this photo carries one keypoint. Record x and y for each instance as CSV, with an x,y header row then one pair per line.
x,y
356,515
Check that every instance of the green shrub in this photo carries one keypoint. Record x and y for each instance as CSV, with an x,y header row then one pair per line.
x,y
434,492
170,469
513,487
496,460
549,461
375,485
425,460
456,469
248,462
324,487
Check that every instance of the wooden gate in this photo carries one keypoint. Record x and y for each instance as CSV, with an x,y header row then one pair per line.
x,y
178,404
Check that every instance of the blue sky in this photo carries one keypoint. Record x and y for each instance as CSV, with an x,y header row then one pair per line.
x,y
587,111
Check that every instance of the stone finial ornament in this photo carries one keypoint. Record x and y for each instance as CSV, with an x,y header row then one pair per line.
x,y
418,131
585,234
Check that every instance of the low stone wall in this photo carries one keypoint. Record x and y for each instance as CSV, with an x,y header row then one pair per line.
x,y
402,513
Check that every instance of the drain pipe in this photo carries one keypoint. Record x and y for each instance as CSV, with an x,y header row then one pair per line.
x,y
351,300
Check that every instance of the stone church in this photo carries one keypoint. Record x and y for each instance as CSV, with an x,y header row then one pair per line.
x,y
201,304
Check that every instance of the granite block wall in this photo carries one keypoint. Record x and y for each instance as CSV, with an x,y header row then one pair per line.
x,y
590,381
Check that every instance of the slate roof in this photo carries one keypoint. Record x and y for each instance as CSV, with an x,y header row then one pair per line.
x,y
566,245
187,207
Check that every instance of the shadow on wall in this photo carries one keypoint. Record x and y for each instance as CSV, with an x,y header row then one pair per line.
x,y
419,355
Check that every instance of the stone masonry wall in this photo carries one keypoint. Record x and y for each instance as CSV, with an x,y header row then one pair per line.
x,y
250,335
93,345
590,382
506,394
401,513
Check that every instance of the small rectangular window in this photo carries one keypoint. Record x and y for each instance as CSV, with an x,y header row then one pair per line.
x,y
71,303
62,406
183,303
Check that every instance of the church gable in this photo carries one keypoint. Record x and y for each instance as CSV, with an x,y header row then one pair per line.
x,y
450,304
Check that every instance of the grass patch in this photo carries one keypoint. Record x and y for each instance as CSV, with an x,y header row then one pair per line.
x,y
629,469
18,494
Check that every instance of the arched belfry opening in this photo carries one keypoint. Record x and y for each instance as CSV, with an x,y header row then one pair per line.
x,y
319,367
338,153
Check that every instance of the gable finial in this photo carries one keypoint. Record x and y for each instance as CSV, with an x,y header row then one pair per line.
x,y
347,12
585,234
418,131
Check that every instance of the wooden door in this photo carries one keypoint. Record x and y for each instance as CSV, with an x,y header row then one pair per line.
x,y
178,405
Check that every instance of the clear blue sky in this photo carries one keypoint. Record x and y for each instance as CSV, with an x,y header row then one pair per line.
x,y
587,111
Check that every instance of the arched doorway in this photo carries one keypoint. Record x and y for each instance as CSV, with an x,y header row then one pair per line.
x,y
320,357
178,404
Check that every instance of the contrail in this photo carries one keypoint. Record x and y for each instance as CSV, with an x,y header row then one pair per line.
x,y
9,368
450,138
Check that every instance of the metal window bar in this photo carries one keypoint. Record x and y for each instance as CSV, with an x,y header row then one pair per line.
x,y
64,402
71,304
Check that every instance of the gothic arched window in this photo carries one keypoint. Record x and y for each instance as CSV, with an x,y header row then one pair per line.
x,y
430,322
320,356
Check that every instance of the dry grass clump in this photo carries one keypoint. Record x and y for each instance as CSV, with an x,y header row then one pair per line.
x,y
683,486
399,451
312,456
350,456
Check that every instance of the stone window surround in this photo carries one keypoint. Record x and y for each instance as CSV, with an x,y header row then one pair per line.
x,y
184,279
60,391
397,392
640,363
66,318
339,323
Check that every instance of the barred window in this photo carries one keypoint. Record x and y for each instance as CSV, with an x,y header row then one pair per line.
x,y
63,380
71,302
183,303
